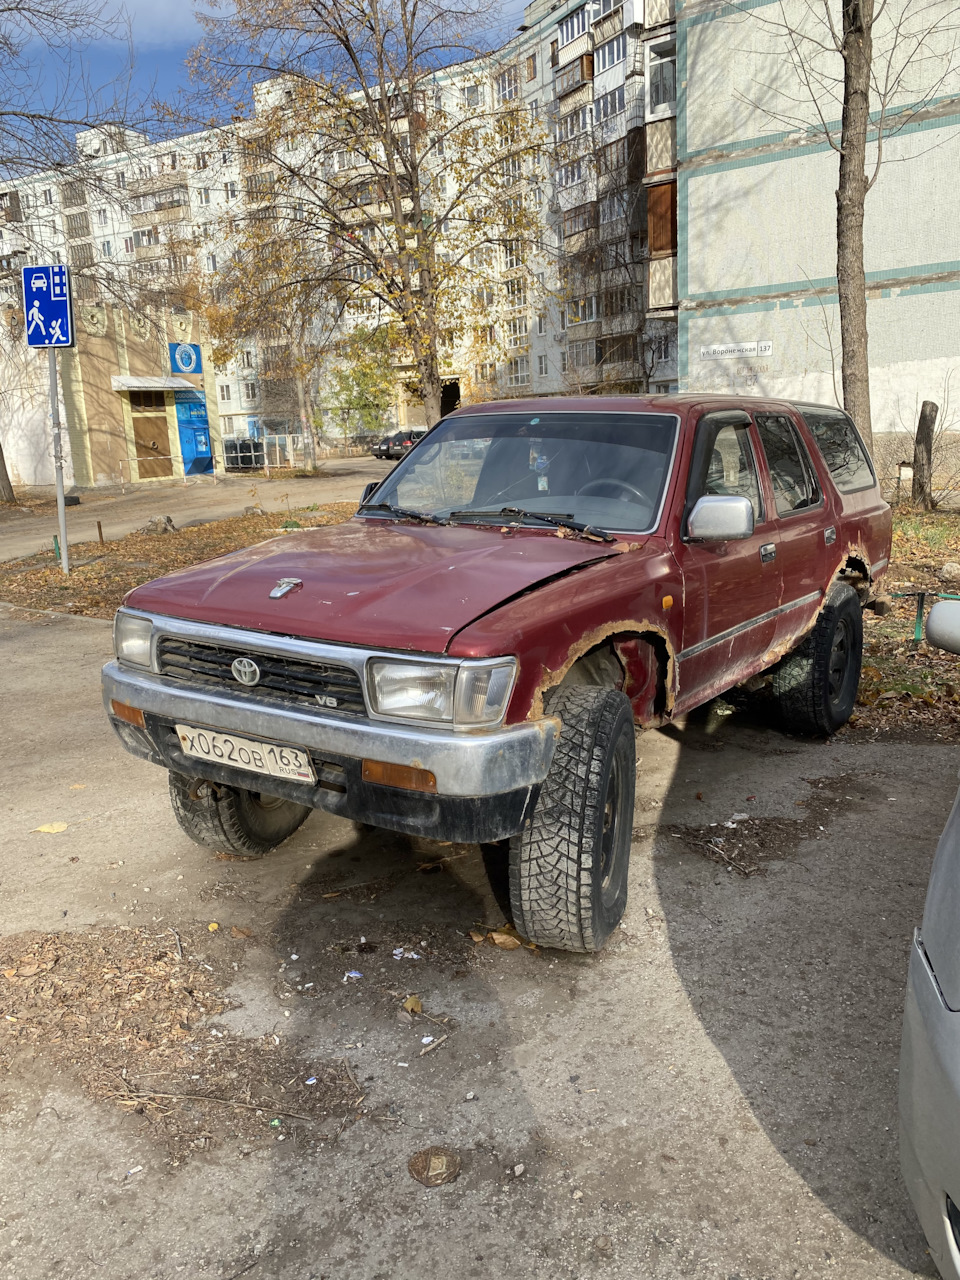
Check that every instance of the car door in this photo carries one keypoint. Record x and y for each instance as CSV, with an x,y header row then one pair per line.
x,y
731,589
806,526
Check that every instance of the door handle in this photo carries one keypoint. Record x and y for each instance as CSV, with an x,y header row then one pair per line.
x,y
768,552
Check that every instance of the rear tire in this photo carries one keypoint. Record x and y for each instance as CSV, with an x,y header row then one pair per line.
x,y
816,685
232,819
568,868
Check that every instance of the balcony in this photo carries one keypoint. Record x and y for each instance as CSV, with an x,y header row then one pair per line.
x,y
662,284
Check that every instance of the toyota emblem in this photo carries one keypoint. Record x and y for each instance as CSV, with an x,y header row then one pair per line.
x,y
245,670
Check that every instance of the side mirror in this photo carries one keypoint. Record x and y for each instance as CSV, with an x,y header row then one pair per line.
x,y
943,625
720,518
368,490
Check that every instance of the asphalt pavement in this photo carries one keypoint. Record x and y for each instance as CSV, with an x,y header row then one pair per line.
x,y
341,480
714,1096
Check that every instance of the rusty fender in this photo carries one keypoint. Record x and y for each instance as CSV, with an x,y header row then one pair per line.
x,y
638,678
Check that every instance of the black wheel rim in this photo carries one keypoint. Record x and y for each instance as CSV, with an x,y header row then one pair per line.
x,y
612,823
840,654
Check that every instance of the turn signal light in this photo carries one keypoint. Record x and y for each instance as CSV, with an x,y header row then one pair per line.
x,y
132,715
399,775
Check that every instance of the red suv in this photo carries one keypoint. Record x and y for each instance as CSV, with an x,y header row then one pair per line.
x,y
468,657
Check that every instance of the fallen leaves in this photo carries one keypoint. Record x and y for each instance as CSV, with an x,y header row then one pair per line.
x,y
52,828
505,937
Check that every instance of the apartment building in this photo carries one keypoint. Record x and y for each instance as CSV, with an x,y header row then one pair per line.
x,y
588,306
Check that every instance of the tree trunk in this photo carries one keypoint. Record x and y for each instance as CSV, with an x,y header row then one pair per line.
x,y
923,456
6,488
851,195
306,426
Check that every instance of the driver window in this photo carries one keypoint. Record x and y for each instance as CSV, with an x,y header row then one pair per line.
x,y
731,469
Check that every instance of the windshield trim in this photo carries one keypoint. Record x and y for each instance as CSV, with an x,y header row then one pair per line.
x,y
458,416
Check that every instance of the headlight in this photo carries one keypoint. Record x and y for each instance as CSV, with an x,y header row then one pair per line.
x,y
131,638
467,696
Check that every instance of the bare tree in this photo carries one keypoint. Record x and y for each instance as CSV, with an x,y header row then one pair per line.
x,y
385,175
876,68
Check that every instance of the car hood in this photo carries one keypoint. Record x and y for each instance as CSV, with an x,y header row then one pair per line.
x,y
370,582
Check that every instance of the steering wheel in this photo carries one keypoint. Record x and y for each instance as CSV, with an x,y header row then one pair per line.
x,y
619,484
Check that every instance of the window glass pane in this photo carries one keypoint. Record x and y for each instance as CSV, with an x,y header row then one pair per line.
x,y
607,469
731,469
842,449
794,485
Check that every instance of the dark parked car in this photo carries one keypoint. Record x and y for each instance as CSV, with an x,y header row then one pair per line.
x,y
467,658
384,448
406,440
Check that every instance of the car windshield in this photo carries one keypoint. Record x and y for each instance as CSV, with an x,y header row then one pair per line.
x,y
607,469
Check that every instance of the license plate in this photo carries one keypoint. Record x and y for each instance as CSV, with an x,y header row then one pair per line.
x,y
246,753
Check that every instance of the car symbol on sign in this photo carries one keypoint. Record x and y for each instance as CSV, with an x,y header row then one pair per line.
x,y
38,282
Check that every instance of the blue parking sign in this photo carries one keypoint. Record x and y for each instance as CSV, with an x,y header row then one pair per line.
x,y
47,306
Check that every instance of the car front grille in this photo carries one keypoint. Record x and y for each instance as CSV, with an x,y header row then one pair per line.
x,y
292,681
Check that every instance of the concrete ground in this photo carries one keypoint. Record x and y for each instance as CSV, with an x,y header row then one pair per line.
x,y
342,480
713,1096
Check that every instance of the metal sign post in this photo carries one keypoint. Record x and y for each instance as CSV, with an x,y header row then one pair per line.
x,y
48,308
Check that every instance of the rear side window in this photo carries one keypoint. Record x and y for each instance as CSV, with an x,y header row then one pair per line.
x,y
795,485
842,448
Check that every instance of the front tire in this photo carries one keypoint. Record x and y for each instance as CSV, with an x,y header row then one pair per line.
x,y
568,868
816,685
232,819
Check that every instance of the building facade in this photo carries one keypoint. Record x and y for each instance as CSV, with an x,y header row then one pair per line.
x,y
757,177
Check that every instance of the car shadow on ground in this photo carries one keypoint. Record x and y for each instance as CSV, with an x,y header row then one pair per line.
x,y
797,971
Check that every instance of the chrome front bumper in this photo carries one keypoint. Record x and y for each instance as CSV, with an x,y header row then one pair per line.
x,y
486,763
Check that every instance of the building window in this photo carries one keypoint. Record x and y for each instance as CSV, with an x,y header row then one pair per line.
x,y
101,217
581,218
472,95
513,254
573,25
660,347
609,54
203,195
230,190
122,181
541,324
516,294
247,359
226,426
611,207
613,156
508,85
518,371
128,244
582,354
517,332
532,67
574,75
608,6
211,262
564,362
581,310
542,366
203,159
146,239
106,248
568,175
172,161
486,371
249,391
224,393
610,104
662,78
48,196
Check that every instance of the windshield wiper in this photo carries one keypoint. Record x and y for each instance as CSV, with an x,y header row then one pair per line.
x,y
402,513
558,521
